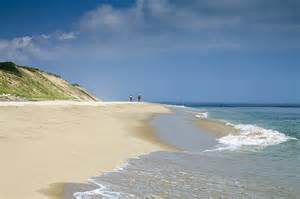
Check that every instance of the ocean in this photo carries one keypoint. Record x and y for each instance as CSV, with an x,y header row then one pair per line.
x,y
261,161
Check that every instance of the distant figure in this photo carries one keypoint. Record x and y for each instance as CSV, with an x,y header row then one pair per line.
x,y
139,98
130,98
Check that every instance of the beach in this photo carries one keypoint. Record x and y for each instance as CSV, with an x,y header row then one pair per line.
x,y
225,152
46,145
217,128
87,150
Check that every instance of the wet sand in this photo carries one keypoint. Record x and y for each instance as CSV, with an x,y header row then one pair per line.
x,y
48,148
179,129
217,128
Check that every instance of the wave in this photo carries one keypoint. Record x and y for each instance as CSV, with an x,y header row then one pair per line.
x,y
251,136
103,190
174,106
202,115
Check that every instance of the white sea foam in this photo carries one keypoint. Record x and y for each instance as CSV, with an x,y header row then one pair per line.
x,y
120,168
202,115
174,106
251,135
101,191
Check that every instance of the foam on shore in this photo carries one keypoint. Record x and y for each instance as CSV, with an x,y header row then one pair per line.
x,y
236,136
103,190
252,135
202,115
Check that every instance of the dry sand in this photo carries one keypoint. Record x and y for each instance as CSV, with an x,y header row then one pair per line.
x,y
47,144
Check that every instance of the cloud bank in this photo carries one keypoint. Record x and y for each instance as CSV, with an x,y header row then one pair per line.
x,y
149,27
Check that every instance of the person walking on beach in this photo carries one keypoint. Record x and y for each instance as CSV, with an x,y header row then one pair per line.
x,y
130,98
139,98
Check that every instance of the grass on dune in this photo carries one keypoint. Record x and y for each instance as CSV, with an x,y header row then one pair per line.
x,y
28,83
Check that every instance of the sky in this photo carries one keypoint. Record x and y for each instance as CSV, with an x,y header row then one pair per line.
x,y
166,50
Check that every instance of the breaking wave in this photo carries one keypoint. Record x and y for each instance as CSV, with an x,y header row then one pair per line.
x,y
251,135
202,115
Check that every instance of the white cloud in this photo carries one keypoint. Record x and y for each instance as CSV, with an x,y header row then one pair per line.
x,y
150,26
44,36
67,36
18,43
3,44
21,42
147,27
21,49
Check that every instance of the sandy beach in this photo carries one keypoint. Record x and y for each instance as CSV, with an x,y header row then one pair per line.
x,y
45,145
216,128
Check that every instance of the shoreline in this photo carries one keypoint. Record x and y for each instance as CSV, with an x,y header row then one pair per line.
x,y
54,144
215,127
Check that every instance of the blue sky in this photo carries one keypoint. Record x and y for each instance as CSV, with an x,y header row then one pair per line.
x,y
169,50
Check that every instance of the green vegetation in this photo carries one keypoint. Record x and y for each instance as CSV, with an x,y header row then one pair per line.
x,y
10,67
76,84
30,83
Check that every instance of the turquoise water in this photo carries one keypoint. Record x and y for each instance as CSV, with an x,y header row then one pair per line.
x,y
280,161
262,162
285,120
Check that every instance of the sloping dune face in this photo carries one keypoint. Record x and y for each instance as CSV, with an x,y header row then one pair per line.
x,y
27,83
